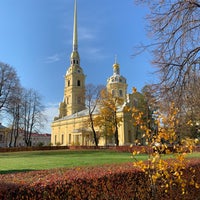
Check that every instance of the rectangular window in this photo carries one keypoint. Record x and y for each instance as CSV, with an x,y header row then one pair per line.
x,y
120,93
70,138
113,92
62,139
129,136
55,139
79,100
1,138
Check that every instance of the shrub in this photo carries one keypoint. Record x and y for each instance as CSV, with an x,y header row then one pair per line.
x,y
103,182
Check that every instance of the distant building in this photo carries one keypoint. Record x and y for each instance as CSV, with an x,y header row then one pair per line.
x,y
36,138
3,135
69,127
40,139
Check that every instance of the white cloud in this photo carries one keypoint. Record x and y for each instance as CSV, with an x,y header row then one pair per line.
x,y
93,53
53,58
50,112
86,34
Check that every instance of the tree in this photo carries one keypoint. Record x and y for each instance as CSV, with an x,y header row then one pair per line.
x,y
62,109
15,111
139,112
189,117
9,82
165,177
108,117
92,99
175,30
31,113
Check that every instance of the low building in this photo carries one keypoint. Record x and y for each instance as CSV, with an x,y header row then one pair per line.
x,y
3,136
37,139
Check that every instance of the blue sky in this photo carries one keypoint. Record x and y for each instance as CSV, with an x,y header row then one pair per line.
x,y
36,39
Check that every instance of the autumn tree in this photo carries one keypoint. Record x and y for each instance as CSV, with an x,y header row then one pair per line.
x,y
9,82
140,107
108,118
92,99
189,122
166,176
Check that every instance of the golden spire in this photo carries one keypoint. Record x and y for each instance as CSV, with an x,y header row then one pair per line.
x,y
75,35
115,59
75,59
116,66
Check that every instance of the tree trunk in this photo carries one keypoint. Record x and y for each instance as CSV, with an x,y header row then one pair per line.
x,y
93,130
116,137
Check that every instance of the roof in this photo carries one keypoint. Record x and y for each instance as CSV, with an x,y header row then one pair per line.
x,y
85,112
2,127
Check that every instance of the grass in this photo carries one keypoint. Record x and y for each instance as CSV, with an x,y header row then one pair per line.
x,y
40,160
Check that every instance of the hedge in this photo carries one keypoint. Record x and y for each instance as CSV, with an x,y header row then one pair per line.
x,y
144,149
109,182
126,148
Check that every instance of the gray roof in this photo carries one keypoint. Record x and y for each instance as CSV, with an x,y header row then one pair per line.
x,y
2,127
85,112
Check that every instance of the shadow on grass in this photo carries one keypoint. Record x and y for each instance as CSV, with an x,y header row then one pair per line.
x,y
15,171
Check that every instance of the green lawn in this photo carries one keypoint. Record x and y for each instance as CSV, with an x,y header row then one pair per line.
x,y
38,160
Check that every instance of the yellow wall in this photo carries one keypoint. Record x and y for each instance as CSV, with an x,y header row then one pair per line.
x,y
74,131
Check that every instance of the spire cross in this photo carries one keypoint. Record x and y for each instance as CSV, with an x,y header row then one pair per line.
x,y
115,59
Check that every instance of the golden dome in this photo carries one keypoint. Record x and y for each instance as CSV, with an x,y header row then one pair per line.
x,y
116,65
74,54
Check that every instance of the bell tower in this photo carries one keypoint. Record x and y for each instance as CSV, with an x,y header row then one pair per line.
x,y
74,91
116,84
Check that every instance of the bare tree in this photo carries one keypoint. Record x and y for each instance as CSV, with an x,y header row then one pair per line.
x,y
31,114
15,111
9,82
175,30
92,99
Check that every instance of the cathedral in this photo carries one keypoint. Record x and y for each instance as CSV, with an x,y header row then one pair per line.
x,y
69,128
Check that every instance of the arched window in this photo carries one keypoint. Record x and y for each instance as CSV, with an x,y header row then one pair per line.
x,y
78,83
68,82
129,136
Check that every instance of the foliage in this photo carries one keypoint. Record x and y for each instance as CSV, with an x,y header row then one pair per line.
x,y
165,140
108,120
62,110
